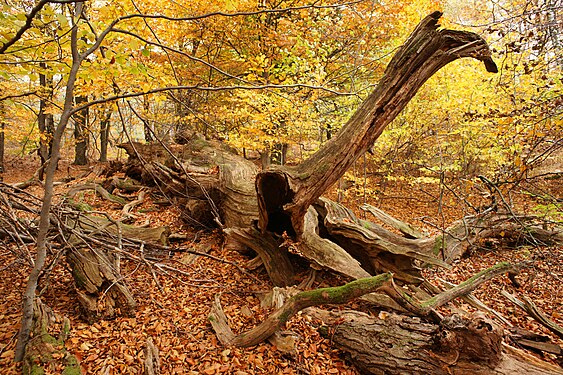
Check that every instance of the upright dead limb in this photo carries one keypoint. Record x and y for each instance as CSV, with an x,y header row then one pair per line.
x,y
285,193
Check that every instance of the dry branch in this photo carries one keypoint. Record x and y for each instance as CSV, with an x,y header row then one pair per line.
x,y
531,309
427,307
323,296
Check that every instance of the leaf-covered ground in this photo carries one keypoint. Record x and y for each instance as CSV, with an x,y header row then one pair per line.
x,y
173,304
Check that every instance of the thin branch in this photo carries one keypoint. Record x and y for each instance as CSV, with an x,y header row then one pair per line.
x,y
239,14
207,88
29,19
7,97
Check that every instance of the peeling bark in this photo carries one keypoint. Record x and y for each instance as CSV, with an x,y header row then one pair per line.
x,y
100,288
397,344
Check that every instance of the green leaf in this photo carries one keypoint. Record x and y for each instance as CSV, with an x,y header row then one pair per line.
x,y
62,20
146,52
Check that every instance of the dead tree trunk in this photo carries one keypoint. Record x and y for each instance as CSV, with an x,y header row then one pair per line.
x,y
99,285
208,177
285,193
397,344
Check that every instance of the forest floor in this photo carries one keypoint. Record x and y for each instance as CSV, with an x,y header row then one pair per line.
x,y
173,304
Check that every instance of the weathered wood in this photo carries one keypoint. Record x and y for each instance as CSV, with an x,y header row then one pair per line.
x,y
285,193
531,309
99,286
323,296
46,353
427,307
204,170
378,249
275,259
90,224
408,230
395,344
152,358
99,189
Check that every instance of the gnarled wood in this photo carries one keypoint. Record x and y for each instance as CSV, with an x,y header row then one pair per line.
x,y
208,171
275,260
323,296
99,286
285,193
396,344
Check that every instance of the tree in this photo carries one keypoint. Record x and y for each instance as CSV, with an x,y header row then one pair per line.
x,y
81,133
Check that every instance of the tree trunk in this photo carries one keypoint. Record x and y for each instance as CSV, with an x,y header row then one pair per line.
x,y
46,353
397,344
282,213
45,120
104,136
81,133
199,171
147,131
285,193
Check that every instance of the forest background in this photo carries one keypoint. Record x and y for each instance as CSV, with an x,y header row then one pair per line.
x,y
267,81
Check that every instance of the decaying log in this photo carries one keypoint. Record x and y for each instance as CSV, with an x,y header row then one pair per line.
x,y
378,249
343,294
100,288
126,212
285,193
223,179
285,204
397,344
90,224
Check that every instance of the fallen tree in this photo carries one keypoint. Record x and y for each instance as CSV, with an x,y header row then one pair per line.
x,y
283,215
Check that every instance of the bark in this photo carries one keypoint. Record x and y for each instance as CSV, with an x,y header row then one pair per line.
x,y
81,133
90,225
275,260
45,120
2,138
397,344
44,219
285,193
152,359
46,352
104,136
147,131
200,170
99,286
